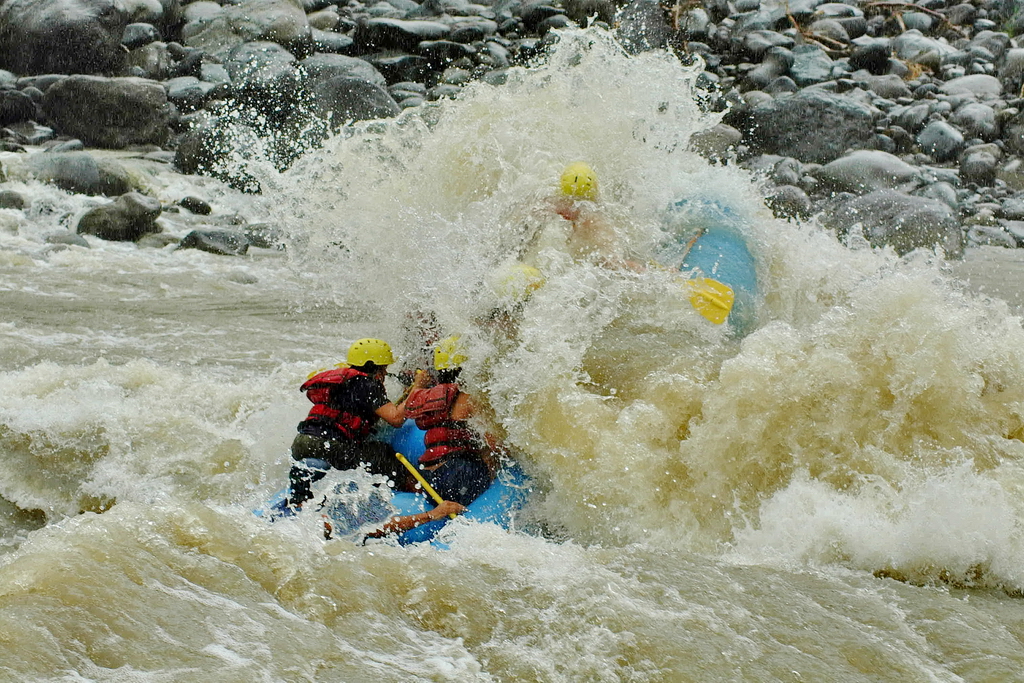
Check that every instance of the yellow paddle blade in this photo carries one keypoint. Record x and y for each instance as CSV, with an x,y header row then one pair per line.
x,y
711,298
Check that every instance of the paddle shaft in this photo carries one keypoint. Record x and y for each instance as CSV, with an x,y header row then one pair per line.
x,y
423,482
693,241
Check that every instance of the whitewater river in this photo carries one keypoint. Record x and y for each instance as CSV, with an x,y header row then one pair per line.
x,y
837,496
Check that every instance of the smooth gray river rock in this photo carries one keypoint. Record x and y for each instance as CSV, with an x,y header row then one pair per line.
x,y
941,140
109,112
223,242
81,173
126,219
903,222
810,125
278,21
62,36
865,171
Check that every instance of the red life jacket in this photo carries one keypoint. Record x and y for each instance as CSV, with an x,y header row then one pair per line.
x,y
432,409
318,390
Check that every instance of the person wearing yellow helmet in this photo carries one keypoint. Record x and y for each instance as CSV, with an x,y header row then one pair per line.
x,y
449,355
579,181
348,402
572,219
456,462
511,287
516,283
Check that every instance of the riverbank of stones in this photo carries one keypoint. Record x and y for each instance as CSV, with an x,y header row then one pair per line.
x,y
899,122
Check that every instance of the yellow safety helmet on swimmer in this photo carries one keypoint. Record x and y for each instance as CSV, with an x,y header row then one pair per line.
x,y
579,181
516,283
449,354
366,351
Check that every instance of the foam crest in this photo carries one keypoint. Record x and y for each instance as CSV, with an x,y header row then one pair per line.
x,y
80,438
957,525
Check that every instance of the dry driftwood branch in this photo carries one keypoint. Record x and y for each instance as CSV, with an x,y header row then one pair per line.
x,y
908,6
900,6
681,8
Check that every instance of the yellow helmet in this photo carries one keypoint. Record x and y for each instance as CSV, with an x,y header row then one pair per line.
x,y
579,181
449,354
518,282
366,351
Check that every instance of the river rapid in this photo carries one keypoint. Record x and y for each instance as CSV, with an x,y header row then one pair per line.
x,y
838,495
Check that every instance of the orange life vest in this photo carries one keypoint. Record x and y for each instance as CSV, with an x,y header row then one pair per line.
x,y
432,409
318,390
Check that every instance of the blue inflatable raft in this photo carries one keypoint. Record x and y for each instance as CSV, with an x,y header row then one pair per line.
x,y
707,240
497,505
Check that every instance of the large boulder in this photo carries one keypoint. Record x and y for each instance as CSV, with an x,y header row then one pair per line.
x,y
789,201
981,86
980,166
941,140
109,112
890,86
126,219
398,67
139,34
900,221
331,42
80,172
717,143
977,120
9,199
202,147
62,36
811,65
811,125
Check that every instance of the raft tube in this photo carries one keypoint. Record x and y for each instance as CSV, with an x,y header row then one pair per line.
x,y
707,240
497,505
